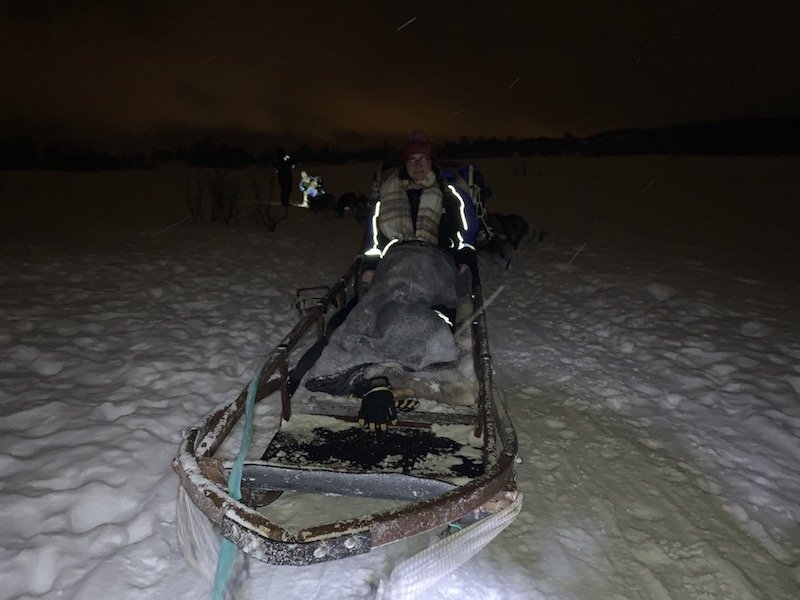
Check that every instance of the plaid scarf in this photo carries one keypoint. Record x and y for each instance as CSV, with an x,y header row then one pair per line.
x,y
395,216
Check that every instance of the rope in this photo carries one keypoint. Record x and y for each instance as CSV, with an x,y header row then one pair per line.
x,y
228,550
482,217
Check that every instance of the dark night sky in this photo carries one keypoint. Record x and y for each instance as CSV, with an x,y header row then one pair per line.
x,y
138,73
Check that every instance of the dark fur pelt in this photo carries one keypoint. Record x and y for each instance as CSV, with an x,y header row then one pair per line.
x,y
354,202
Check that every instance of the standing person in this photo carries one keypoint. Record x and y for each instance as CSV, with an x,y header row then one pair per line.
x,y
416,206
284,164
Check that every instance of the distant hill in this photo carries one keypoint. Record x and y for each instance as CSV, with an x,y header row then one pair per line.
x,y
747,136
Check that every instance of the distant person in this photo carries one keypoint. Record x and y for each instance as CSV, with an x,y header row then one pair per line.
x,y
310,186
284,164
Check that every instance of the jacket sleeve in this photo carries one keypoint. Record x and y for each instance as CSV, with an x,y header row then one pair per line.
x,y
465,226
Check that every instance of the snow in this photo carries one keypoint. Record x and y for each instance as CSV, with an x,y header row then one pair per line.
x,y
653,379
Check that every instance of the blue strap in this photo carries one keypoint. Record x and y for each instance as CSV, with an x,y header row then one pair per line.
x,y
228,550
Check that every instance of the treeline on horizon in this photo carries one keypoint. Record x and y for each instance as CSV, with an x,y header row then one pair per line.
x,y
752,136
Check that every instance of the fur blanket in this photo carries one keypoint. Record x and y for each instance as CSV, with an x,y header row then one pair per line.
x,y
394,322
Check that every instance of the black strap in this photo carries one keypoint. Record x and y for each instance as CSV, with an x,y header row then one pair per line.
x,y
311,355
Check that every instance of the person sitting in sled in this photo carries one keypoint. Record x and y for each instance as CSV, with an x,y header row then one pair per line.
x,y
310,186
419,258
415,205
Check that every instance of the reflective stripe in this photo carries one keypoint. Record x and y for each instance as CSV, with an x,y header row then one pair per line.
x,y
389,245
462,208
462,243
375,251
444,317
463,213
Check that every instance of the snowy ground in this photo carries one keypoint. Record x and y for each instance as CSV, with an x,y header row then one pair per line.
x,y
656,398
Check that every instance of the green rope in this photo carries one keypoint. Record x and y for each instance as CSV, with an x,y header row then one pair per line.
x,y
227,549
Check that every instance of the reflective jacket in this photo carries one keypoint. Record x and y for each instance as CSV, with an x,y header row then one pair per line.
x,y
458,225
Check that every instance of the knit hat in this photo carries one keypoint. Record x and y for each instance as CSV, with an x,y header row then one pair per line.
x,y
418,144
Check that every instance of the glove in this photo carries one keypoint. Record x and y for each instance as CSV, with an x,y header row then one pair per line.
x,y
405,398
467,256
378,409
407,403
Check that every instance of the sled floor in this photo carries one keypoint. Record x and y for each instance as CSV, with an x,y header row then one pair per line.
x,y
334,445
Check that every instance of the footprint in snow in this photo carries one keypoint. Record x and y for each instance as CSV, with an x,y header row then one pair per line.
x,y
661,292
754,329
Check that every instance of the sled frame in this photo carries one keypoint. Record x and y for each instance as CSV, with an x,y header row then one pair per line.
x,y
437,503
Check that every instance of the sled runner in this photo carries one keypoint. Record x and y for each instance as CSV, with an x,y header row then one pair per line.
x,y
448,455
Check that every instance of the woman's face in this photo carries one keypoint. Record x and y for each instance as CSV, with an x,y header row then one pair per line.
x,y
418,166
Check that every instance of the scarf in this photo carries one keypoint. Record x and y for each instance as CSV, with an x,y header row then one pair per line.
x,y
395,216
